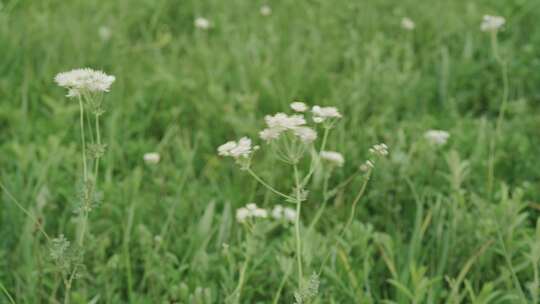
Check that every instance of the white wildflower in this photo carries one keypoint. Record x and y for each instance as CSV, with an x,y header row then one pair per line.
x,y
289,214
367,166
151,158
242,214
250,211
105,33
202,23
321,114
492,23
437,137
84,80
335,158
408,24
270,134
299,106
277,212
266,10
379,150
240,149
306,134
282,121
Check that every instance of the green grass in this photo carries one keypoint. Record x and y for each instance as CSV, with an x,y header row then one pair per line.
x,y
427,230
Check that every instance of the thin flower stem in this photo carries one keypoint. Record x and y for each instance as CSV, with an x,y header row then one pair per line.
x,y
312,167
81,108
96,166
260,180
240,286
297,226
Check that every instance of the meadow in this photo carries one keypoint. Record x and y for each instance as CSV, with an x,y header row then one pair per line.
x,y
433,220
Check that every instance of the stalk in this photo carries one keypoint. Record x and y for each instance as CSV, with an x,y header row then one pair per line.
x,y
297,227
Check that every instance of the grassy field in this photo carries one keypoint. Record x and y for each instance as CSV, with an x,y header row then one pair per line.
x,y
453,223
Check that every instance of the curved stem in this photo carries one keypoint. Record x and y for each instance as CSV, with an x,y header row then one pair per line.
x,y
260,180
81,109
297,227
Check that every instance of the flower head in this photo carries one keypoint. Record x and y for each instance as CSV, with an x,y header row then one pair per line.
x,y
307,135
408,24
151,158
437,137
240,149
202,23
84,80
379,150
286,213
321,114
266,10
368,165
250,211
491,23
332,157
282,121
104,33
299,106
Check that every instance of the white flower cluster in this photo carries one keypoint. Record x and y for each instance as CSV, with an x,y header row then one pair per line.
x,y
286,213
80,81
281,122
407,24
151,158
437,137
492,23
250,211
322,114
266,10
379,150
202,23
236,150
332,157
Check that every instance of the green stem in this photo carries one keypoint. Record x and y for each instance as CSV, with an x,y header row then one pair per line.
x,y
260,180
96,165
297,226
312,167
85,171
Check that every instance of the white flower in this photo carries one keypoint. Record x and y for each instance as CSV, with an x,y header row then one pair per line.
x,y
242,214
104,33
151,158
282,121
407,23
250,211
269,134
240,149
299,106
367,166
379,150
333,157
289,214
84,80
266,10
437,137
277,212
202,23
306,135
321,114
492,23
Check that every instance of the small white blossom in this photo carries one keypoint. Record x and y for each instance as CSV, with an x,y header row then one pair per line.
x,y
151,158
266,10
321,114
299,106
379,150
492,23
408,24
269,134
104,33
240,149
277,212
242,214
282,121
84,80
287,214
250,211
333,157
367,166
202,23
306,134
437,137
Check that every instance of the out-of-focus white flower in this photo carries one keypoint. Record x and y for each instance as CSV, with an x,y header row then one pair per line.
x,y
84,80
299,106
282,121
437,137
408,24
151,158
379,150
321,114
334,158
105,33
277,212
368,165
240,149
250,211
269,134
307,135
202,23
492,23
287,214
266,10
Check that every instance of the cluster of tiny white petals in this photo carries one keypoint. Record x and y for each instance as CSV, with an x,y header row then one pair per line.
x,y
202,23
266,10
307,135
368,165
105,33
84,80
379,150
437,137
492,23
408,24
333,157
239,149
151,158
321,114
286,213
250,211
299,106
282,121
